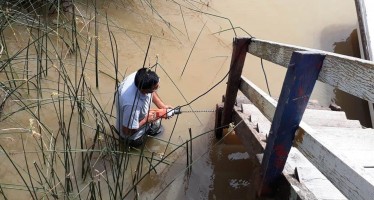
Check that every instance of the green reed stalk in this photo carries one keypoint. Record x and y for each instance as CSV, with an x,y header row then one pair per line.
x,y
150,163
28,170
5,51
46,41
96,48
27,67
39,176
115,59
117,172
99,189
92,191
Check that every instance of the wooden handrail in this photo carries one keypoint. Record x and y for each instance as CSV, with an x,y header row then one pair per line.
x,y
352,75
348,74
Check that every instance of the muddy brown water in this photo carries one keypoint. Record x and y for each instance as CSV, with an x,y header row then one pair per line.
x,y
220,170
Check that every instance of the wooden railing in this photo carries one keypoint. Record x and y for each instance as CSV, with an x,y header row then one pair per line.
x,y
354,76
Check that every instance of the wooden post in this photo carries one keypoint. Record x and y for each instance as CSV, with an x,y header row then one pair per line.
x,y
218,130
366,31
298,84
240,48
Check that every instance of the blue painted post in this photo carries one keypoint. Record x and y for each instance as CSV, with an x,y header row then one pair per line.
x,y
298,84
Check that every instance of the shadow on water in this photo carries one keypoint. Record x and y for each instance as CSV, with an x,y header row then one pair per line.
x,y
354,107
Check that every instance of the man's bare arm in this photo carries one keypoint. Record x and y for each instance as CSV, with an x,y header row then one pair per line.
x,y
158,102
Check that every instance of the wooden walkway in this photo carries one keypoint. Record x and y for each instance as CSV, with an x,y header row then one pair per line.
x,y
321,153
343,137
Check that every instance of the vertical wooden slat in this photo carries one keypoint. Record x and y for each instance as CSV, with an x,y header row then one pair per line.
x,y
240,48
300,79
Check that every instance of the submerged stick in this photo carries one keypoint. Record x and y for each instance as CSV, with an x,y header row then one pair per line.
x,y
146,53
28,169
188,157
193,47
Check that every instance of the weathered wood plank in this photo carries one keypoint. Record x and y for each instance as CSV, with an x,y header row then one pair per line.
x,y
347,138
329,118
363,158
324,114
352,75
352,180
258,97
316,182
236,67
324,119
297,88
355,144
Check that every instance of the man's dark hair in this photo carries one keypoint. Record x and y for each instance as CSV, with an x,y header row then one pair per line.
x,y
145,79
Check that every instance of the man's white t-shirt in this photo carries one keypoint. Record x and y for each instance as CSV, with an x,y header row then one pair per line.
x,y
132,105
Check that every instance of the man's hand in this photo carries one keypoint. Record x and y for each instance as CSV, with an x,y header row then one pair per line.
x,y
151,117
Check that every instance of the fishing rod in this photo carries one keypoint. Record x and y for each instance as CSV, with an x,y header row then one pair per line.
x,y
155,127
169,112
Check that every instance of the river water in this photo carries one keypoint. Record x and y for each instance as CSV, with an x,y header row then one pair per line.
x,y
193,50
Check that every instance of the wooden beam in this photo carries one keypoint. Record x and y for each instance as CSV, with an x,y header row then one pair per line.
x,y
240,47
297,88
352,75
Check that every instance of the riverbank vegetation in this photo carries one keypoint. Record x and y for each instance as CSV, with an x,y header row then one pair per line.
x,y
56,137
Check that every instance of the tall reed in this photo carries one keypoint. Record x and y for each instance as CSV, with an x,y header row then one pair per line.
x,y
74,152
